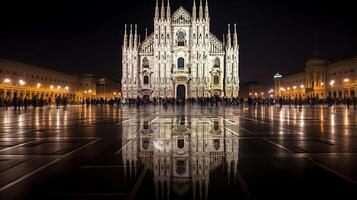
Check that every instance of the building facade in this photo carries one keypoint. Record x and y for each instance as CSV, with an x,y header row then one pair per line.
x,y
30,81
181,58
320,79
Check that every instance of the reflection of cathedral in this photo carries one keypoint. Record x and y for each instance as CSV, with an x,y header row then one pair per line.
x,y
181,58
181,153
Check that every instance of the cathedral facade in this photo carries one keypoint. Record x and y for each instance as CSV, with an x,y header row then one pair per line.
x,y
181,58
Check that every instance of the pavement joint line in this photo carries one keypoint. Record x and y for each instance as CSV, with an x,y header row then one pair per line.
x,y
121,148
96,121
155,119
101,166
271,126
244,185
234,133
136,187
7,186
106,194
82,147
226,120
19,145
246,130
318,164
332,171
278,145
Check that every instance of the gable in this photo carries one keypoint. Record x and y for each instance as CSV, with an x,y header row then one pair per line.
x,y
181,16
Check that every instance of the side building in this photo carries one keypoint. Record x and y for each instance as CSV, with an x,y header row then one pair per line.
x,y
30,81
320,79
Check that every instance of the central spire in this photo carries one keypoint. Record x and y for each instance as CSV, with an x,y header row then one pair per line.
x,y
201,10
163,9
206,10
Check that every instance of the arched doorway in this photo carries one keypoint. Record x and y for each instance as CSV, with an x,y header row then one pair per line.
x,y
181,93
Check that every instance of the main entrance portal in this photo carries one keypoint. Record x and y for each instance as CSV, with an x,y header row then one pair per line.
x,y
181,93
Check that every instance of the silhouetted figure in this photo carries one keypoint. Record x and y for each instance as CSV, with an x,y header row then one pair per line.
x,y
14,101
58,102
64,102
26,103
281,102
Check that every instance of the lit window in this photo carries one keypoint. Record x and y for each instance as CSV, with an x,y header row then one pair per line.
x,y
180,143
181,38
181,63
216,80
146,80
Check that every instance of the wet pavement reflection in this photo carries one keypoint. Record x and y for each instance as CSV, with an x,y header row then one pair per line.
x,y
189,152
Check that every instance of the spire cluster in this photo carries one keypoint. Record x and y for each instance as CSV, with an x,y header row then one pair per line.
x,y
202,13
232,42
134,38
165,12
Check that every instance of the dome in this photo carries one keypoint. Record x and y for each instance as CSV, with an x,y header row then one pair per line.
x,y
315,62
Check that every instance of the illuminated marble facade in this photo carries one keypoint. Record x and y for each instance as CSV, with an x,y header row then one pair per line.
x,y
181,58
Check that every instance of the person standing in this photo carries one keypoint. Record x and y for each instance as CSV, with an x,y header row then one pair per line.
x,y
14,101
25,102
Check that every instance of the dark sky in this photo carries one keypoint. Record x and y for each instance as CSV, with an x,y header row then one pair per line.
x,y
86,36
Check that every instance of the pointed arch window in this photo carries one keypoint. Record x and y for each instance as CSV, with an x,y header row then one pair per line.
x,y
216,63
146,80
146,63
181,64
216,80
181,38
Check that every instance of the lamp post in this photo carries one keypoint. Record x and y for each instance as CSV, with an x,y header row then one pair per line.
x,y
7,82
347,81
332,83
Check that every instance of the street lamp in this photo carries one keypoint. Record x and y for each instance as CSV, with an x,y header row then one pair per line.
x,y
51,87
38,85
22,83
347,80
7,81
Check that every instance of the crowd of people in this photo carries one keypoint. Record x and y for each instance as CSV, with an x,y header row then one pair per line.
x,y
62,102
24,102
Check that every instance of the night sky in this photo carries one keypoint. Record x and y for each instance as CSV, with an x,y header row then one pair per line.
x,y
86,36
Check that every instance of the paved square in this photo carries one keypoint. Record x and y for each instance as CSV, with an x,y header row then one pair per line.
x,y
191,152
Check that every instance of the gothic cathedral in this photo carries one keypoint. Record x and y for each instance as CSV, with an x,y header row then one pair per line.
x,y
181,59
